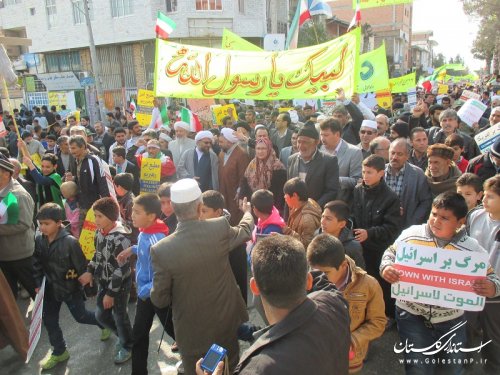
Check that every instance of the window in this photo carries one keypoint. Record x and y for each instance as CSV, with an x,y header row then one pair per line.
x,y
208,4
241,6
63,62
11,2
121,8
79,12
171,6
50,7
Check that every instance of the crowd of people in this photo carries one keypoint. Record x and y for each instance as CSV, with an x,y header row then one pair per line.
x,y
309,202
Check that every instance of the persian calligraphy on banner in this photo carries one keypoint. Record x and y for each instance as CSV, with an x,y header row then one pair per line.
x,y
363,4
185,71
402,84
235,42
145,99
87,235
150,175
439,277
373,73
487,137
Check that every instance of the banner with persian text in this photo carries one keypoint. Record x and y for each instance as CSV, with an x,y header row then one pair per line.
x,y
402,84
363,4
185,71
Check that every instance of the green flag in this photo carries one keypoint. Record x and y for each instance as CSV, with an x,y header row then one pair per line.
x,y
373,73
9,209
363,4
234,42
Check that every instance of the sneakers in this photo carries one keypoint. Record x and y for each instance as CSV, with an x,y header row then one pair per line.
x,y
122,356
105,334
53,360
179,367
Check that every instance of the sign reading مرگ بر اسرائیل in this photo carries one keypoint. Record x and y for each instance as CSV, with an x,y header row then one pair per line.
x,y
439,277
185,71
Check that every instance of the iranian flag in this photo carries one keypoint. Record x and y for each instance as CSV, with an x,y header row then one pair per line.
x,y
9,210
191,119
164,26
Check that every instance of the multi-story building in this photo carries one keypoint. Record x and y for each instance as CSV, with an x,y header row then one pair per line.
x,y
390,24
59,58
422,50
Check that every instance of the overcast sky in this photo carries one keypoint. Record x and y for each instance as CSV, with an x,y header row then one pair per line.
x,y
453,29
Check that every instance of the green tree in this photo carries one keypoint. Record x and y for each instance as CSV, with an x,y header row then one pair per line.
x,y
312,32
438,60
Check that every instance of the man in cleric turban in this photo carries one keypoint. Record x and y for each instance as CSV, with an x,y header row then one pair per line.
x,y
233,161
199,284
181,142
201,163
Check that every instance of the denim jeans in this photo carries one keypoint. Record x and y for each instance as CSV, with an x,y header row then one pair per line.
x,y
413,330
116,318
51,309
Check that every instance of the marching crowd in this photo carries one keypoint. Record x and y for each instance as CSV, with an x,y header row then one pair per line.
x,y
310,201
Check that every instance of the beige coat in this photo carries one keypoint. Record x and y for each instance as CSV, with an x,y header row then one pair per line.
x,y
193,275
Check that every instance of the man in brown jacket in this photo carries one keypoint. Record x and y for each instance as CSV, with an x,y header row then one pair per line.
x,y
305,214
193,275
233,162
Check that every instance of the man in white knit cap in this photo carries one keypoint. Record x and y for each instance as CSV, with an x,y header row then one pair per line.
x,y
181,142
367,133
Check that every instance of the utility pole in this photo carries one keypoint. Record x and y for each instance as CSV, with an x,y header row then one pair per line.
x,y
96,67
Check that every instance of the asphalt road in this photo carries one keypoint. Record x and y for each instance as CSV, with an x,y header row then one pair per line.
x,y
91,356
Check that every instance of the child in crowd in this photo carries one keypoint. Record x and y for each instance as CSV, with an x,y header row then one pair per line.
x,y
113,279
168,214
59,258
124,183
422,324
269,219
483,224
470,187
456,142
366,302
334,221
48,181
377,218
305,213
69,191
146,211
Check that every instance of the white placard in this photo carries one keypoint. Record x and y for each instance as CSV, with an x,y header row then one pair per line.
x,y
467,94
471,111
486,138
36,321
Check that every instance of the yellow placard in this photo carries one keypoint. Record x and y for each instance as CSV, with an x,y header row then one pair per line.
x,y
384,99
57,98
363,4
442,89
223,111
285,109
150,175
373,72
186,71
402,84
37,160
87,235
145,105
145,98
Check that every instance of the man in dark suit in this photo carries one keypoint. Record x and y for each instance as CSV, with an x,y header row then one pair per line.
x,y
319,171
282,136
123,165
199,284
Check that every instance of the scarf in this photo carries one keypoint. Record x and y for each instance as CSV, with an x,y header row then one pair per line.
x,y
260,171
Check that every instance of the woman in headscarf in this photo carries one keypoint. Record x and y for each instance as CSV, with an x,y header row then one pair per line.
x,y
265,171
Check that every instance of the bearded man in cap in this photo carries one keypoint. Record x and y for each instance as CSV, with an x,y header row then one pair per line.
x,y
233,162
193,275
181,142
441,173
201,163
16,231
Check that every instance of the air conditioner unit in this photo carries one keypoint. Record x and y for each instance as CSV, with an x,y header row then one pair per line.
x,y
82,75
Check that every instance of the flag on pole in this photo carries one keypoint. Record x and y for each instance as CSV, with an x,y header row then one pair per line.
x,y
164,26
164,115
305,10
192,119
317,7
9,209
356,20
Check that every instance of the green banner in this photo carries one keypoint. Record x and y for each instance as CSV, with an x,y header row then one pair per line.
x,y
403,83
373,73
363,4
231,41
185,71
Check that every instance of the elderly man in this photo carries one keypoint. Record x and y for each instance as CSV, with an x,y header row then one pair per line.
x,y
380,146
409,183
442,173
382,125
341,112
199,284
367,133
449,122
16,231
419,142
349,157
201,163
181,142
233,161
319,171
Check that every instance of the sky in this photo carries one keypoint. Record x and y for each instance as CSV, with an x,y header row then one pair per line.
x,y
453,29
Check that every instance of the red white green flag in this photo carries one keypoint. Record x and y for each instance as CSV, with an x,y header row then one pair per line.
x,y
164,26
192,119
9,209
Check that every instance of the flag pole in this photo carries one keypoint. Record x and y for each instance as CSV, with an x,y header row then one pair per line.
x,y
7,96
315,31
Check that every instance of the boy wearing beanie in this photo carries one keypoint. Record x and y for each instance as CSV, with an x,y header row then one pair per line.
x,y
113,279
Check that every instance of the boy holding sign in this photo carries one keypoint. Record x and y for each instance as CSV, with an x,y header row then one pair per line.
x,y
422,325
